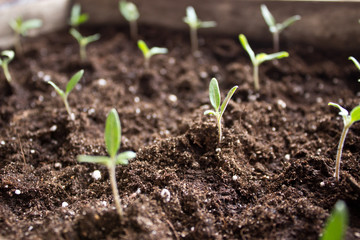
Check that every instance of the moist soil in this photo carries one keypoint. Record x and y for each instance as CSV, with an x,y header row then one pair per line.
x,y
271,177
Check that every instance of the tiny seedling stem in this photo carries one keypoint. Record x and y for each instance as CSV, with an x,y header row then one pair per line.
x,y
219,129
256,77
194,40
83,55
276,41
339,152
6,72
114,188
67,107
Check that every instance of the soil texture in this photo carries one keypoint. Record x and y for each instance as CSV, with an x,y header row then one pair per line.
x,y
271,177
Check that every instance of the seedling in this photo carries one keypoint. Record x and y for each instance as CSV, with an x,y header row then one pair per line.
x,y
83,41
131,14
112,142
148,53
348,121
357,64
337,223
215,100
76,17
195,23
6,57
276,28
69,87
259,58
21,28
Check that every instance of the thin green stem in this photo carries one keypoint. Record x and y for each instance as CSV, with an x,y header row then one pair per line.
x,y
114,188
194,40
6,72
256,77
72,116
339,152
276,41
219,128
83,52
133,30
147,63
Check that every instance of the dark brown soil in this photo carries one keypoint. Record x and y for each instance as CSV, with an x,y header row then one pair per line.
x,y
270,178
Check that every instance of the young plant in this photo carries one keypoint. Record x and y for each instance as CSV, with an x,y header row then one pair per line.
x,y
276,28
69,87
348,121
83,41
215,100
131,14
148,53
337,222
357,64
21,28
76,17
6,57
259,58
112,142
195,23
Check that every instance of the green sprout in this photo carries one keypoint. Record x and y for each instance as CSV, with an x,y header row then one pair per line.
x,y
215,100
348,121
6,57
69,87
112,142
148,53
131,14
83,41
259,58
276,28
195,23
20,28
76,17
357,64
337,223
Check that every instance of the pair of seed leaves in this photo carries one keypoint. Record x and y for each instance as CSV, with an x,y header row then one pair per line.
x,y
112,143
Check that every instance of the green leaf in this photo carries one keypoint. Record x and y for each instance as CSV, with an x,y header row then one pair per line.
x,y
16,25
247,48
92,38
30,24
123,158
144,48
289,21
158,50
57,89
76,34
76,17
94,159
8,56
336,224
83,18
343,112
112,133
73,81
355,114
214,94
191,17
227,99
209,112
357,64
262,57
207,24
128,10
268,17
